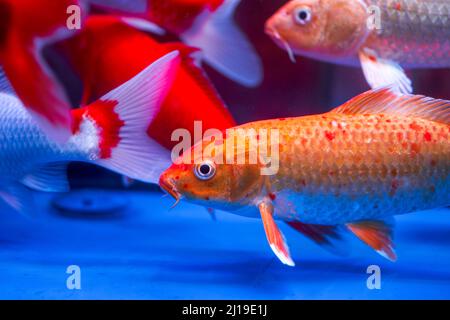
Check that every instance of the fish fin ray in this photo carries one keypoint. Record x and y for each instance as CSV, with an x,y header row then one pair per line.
x,y
124,6
274,235
139,100
328,237
49,178
19,198
388,101
143,25
377,234
381,72
225,47
5,85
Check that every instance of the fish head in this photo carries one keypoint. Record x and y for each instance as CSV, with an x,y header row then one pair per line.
x,y
320,28
208,180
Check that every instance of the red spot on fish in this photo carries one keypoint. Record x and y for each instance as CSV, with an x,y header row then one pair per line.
x,y
415,126
398,6
427,136
303,183
272,196
304,141
330,135
185,186
373,58
394,187
177,178
207,198
433,163
282,119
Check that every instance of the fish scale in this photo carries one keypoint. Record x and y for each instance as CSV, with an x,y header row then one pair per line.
x,y
336,168
23,145
414,33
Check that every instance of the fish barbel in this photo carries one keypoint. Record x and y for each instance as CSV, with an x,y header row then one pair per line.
x,y
379,155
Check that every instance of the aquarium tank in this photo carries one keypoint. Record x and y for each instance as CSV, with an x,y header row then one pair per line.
x,y
224,150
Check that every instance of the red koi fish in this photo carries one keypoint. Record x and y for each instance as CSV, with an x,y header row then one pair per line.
x,y
26,27
204,24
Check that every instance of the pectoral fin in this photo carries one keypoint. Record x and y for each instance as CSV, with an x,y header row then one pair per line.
x,y
276,239
19,197
376,234
383,73
49,178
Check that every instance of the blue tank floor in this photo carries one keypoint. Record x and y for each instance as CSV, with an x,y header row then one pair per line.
x,y
149,252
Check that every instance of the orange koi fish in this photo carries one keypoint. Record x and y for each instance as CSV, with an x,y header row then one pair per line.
x,y
380,154
381,36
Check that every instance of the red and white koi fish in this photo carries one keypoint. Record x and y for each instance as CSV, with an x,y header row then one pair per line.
x,y
204,24
111,132
108,52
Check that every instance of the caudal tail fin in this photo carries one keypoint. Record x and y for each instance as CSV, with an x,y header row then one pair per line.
x,y
225,47
118,122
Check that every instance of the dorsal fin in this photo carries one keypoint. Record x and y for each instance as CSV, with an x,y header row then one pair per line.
x,y
387,101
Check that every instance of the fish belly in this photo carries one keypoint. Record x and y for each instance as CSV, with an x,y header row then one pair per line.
x,y
339,168
414,33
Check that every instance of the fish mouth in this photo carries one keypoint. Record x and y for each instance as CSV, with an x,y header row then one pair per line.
x,y
273,33
169,186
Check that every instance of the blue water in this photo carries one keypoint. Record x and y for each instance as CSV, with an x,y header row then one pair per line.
x,y
149,252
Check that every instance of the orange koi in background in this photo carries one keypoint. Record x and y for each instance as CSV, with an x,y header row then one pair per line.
x,y
381,36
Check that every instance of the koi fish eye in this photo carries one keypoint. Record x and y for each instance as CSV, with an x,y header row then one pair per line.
x,y
302,15
205,170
